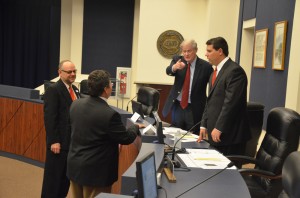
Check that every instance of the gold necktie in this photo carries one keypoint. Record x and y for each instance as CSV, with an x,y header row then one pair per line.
x,y
214,77
72,94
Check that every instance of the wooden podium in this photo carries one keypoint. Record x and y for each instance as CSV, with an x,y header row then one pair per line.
x,y
127,155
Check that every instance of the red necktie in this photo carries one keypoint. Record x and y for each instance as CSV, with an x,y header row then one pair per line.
x,y
214,77
186,87
72,94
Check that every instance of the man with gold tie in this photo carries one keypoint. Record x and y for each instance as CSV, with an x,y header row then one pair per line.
x,y
57,101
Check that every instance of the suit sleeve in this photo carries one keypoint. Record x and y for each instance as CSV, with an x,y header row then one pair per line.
x,y
209,71
51,107
236,86
204,117
119,133
169,68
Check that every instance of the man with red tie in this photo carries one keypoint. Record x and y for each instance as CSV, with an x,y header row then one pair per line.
x,y
188,94
225,119
57,101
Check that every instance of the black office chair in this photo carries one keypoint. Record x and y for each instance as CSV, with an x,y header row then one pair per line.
x,y
149,98
47,83
147,102
84,89
255,113
291,176
282,138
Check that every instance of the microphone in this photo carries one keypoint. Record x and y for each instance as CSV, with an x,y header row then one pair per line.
x,y
217,173
130,102
175,143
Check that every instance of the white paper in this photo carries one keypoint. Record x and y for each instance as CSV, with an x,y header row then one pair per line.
x,y
187,138
173,130
205,158
150,126
135,117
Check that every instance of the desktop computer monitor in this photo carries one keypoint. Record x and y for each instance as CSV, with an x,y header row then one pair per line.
x,y
146,177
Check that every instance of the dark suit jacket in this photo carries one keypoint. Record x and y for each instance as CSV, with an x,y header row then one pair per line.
x,y
57,102
97,130
202,73
226,108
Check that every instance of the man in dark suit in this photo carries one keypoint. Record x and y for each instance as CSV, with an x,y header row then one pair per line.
x,y
97,130
57,101
191,78
225,117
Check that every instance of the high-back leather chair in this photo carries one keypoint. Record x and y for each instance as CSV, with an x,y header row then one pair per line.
x,y
47,83
83,88
282,138
291,176
149,98
255,113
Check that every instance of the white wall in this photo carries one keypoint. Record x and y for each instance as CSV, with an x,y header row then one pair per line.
x,y
293,83
71,31
222,21
156,16
196,19
248,33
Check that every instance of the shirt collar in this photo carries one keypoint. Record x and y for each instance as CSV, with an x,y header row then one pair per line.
x,y
68,86
193,63
221,64
105,99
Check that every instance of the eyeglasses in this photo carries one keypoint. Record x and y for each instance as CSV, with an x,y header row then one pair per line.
x,y
70,71
187,51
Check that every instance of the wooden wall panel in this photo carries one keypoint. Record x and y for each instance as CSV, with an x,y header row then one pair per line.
x,y
37,148
22,129
7,111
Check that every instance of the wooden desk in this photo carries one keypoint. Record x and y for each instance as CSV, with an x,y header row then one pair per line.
x,y
219,186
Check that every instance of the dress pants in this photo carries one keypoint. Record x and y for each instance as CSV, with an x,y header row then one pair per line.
x,y
182,118
234,149
80,191
55,183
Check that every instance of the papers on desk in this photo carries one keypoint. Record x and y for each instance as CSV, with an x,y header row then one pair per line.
x,y
190,137
204,158
136,118
187,138
173,130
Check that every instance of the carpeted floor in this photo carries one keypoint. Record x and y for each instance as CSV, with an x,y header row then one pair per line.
x,y
20,179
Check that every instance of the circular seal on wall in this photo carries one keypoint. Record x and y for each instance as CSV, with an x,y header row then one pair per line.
x,y
168,43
